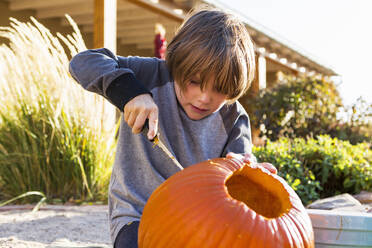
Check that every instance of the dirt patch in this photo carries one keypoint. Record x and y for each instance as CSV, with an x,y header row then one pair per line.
x,y
54,226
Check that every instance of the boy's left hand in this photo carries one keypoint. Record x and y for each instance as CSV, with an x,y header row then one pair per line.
x,y
249,158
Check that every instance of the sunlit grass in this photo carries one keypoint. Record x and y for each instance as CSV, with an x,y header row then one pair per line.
x,y
55,137
33,193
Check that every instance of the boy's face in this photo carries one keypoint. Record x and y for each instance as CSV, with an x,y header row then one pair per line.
x,y
197,103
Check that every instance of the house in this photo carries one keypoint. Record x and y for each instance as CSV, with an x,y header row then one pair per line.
x,y
127,27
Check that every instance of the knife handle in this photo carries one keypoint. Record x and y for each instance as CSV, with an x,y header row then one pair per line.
x,y
145,130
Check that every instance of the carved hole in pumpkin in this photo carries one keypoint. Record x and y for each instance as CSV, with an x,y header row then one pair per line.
x,y
261,192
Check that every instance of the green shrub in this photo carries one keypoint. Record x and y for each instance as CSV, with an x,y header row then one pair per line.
x,y
322,167
295,107
54,154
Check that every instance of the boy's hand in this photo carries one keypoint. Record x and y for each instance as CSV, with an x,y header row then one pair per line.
x,y
249,158
137,110
246,158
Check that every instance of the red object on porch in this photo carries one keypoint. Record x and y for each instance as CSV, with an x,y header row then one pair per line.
x,y
160,46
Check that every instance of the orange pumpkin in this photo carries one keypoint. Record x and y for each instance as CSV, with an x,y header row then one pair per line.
x,y
224,203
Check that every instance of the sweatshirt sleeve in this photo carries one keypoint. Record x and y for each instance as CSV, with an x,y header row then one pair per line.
x,y
100,71
239,136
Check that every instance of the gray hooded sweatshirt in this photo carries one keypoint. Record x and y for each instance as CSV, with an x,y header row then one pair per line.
x,y
139,168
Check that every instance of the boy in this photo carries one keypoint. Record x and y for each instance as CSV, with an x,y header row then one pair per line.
x,y
190,98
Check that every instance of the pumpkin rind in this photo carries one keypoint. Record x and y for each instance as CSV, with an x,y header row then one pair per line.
x,y
193,209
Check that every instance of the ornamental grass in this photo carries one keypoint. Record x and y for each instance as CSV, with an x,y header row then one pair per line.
x,y
55,137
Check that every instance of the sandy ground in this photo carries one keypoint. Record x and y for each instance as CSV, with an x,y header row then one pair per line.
x,y
55,227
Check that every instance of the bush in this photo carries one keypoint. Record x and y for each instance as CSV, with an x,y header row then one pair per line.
x,y
295,107
55,137
356,126
322,167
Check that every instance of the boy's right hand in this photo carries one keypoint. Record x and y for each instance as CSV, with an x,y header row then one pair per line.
x,y
137,110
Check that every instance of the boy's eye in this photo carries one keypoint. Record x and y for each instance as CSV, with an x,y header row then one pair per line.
x,y
194,82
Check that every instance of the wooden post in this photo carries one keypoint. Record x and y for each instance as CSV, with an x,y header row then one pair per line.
x,y
105,35
261,66
105,24
255,86
258,83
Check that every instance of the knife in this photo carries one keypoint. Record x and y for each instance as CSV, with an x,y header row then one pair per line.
x,y
157,142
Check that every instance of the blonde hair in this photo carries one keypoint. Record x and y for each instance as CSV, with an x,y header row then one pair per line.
x,y
213,43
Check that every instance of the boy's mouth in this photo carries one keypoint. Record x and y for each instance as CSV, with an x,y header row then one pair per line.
x,y
199,110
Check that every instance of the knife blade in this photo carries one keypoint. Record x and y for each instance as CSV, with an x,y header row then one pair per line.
x,y
156,141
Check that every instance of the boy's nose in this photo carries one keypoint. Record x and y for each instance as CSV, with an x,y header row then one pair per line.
x,y
205,97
